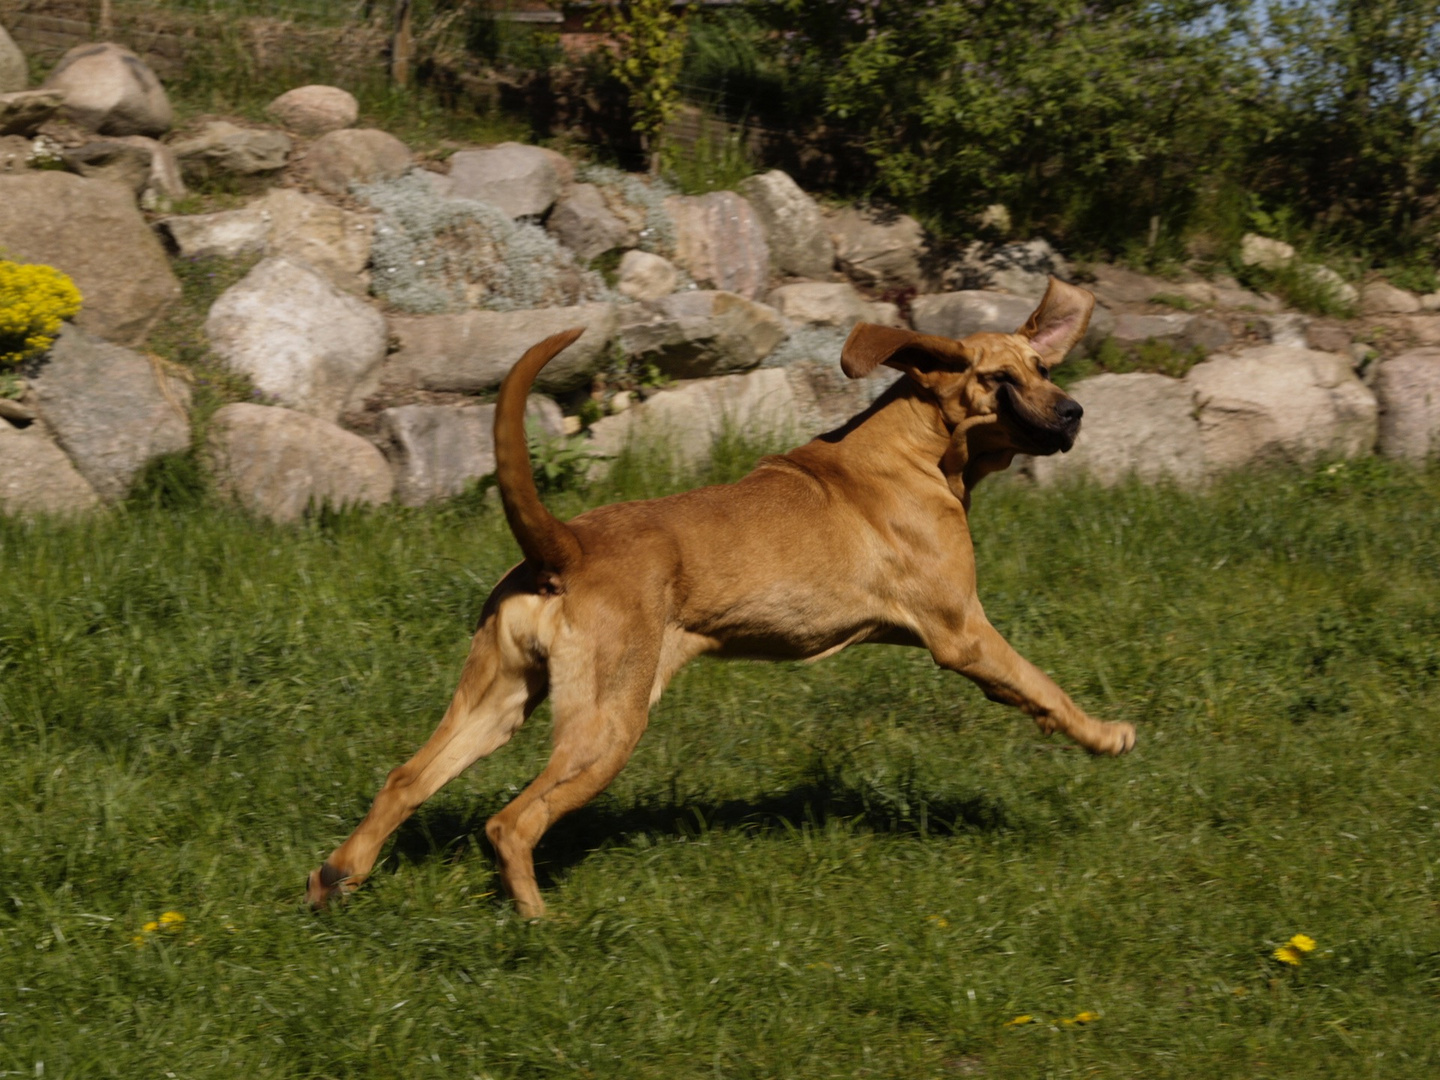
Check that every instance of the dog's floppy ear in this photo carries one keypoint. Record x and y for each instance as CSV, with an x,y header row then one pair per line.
x,y
870,345
1059,322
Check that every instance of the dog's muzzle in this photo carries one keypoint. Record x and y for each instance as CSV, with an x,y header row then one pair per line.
x,y
1038,433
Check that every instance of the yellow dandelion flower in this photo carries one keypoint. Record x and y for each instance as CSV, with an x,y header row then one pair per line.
x,y
171,919
138,940
1020,1021
1086,1017
1303,943
938,920
1288,954
150,927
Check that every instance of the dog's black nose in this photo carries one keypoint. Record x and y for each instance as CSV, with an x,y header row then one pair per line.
x,y
1069,411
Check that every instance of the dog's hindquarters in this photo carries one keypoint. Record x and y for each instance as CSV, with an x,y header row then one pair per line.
x,y
503,681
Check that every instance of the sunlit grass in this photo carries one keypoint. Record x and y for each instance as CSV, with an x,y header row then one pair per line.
x,y
855,868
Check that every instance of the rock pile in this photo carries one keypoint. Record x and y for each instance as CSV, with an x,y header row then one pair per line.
x,y
388,299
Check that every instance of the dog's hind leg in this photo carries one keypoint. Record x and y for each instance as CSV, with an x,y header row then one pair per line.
x,y
978,652
601,703
500,686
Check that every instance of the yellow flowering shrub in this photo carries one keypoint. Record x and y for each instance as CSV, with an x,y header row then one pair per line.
x,y
34,300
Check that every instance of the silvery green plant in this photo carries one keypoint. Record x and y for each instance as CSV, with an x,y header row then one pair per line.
x,y
647,196
437,254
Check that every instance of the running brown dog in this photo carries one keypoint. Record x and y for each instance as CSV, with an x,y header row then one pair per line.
x,y
861,535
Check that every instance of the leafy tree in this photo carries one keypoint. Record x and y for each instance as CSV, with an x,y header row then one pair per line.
x,y
650,37
1347,134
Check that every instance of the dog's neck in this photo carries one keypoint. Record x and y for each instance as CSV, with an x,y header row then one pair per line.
x,y
907,417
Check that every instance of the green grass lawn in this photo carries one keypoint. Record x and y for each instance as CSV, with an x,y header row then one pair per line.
x,y
855,868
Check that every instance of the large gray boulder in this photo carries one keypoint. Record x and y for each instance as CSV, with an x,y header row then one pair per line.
x,y
109,159
1382,298
584,222
14,70
37,477
1279,403
970,311
1290,329
22,112
223,149
1264,252
112,410
333,240
825,303
523,181
1183,331
1116,285
879,248
315,110
439,449
1408,388
225,234
720,242
110,90
1024,267
685,421
164,183
300,339
795,229
276,463
825,397
701,333
1134,425
341,159
94,232
472,351
645,276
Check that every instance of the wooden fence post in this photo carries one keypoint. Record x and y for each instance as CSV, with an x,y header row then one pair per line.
x,y
402,45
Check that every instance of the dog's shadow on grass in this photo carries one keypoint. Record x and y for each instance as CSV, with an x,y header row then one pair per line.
x,y
441,831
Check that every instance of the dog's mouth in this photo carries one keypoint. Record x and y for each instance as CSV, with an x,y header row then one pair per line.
x,y
1035,432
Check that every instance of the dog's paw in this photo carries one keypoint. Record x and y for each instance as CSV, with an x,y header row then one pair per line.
x,y
1114,739
327,884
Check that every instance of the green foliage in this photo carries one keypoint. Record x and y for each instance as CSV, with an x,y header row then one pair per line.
x,y
1056,110
1350,104
1174,300
1304,285
717,161
855,867
1124,129
1417,277
559,463
650,37
1157,357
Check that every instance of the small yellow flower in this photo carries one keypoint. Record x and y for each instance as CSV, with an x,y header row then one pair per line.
x,y
1293,951
1020,1021
171,920
150,927
938,920
138,940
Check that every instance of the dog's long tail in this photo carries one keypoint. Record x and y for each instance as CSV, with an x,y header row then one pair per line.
x,y
546,540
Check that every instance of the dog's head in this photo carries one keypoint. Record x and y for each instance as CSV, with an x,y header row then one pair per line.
x,y
1002,375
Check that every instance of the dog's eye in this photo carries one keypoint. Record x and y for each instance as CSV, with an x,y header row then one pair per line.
x,y
1044,371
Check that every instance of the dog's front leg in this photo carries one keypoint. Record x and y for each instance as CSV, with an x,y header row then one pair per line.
x,y
978,652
